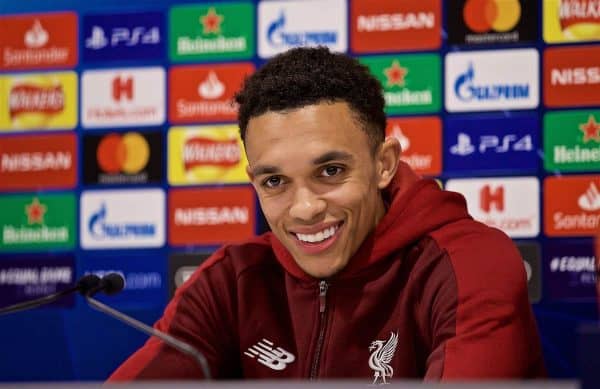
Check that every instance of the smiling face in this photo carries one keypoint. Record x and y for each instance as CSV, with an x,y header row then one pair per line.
x,y
318,181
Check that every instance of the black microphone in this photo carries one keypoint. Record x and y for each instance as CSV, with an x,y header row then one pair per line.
x,y
113,283
110,284
84,285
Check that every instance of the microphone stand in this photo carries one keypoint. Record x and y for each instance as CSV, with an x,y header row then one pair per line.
x,y
168,339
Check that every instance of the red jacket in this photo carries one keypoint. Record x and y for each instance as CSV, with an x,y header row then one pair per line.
x,y
430,294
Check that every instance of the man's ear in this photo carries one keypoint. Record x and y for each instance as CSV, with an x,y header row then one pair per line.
x,y
388,158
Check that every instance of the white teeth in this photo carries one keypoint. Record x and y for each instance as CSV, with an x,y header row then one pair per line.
x,y
319,236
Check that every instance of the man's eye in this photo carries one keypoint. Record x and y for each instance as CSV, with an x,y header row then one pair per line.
x,y
272,182
331,171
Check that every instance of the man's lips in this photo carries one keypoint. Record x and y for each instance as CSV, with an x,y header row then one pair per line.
x,y
314,229
323,240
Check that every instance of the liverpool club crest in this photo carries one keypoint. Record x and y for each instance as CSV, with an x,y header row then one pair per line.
x,y
382,352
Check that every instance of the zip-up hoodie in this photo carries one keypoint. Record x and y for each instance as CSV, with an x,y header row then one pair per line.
x,y
430,293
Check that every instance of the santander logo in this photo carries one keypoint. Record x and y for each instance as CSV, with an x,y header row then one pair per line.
x,y
36,36
590,200
403,139
211,88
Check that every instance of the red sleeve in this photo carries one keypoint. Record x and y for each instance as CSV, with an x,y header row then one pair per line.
x,y
482,322
198,314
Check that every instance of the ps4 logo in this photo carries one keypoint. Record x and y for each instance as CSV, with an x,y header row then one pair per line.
x,y
122,36
493,143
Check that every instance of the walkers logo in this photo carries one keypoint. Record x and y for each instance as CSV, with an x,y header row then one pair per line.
x,y
570,271
144,275
181,268
38,41
572,76
204,93
206,155
571,20
122,219
572,205
572,140
492,80
211,216
203,32
491,143
421,142
29,278
530,251
388,25
123,97
37,223
411,83
284,25
129,158
40,101
476,22
123,36
38,162
508,203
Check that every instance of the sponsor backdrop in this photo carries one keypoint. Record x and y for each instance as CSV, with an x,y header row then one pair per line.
x,y
119,149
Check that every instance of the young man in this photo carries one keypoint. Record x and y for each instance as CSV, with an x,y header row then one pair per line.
x,y
369,271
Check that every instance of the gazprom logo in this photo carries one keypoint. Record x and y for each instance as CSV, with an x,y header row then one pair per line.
x,y
466,89
100,228
277,35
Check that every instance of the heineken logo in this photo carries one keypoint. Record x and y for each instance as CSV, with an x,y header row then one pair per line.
x,y
572,140
38,222
411,83
200,32
35,212
396,77
395,74
591,130
211,22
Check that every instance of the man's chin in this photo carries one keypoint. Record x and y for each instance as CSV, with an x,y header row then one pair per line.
x,y
320,271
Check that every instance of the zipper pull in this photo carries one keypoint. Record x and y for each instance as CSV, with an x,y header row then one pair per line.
x,y
323,285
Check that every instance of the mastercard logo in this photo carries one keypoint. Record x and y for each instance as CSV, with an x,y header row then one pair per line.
x,y
127,153
498,15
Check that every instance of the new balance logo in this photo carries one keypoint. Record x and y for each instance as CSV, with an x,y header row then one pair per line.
x,y
276,359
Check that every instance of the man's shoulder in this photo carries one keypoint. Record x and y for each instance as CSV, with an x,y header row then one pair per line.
x,y
479,254
236,258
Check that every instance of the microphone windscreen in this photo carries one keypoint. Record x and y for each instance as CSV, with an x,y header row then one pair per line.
x,y
87,283
113,283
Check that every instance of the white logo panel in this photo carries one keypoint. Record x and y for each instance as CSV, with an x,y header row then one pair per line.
x,y
286,24
510,204
123,97
492,80
122,219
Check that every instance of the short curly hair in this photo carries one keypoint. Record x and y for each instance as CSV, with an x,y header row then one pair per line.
x,y
310,75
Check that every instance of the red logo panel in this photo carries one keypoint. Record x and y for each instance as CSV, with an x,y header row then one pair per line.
x,y
391,25
38,41
204,93
211,216
38,162
421,142
572,76
572,205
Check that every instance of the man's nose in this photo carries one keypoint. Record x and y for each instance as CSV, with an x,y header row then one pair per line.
x,y
306,205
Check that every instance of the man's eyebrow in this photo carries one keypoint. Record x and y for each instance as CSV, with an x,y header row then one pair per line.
x,y
333,156
327,157
264,169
